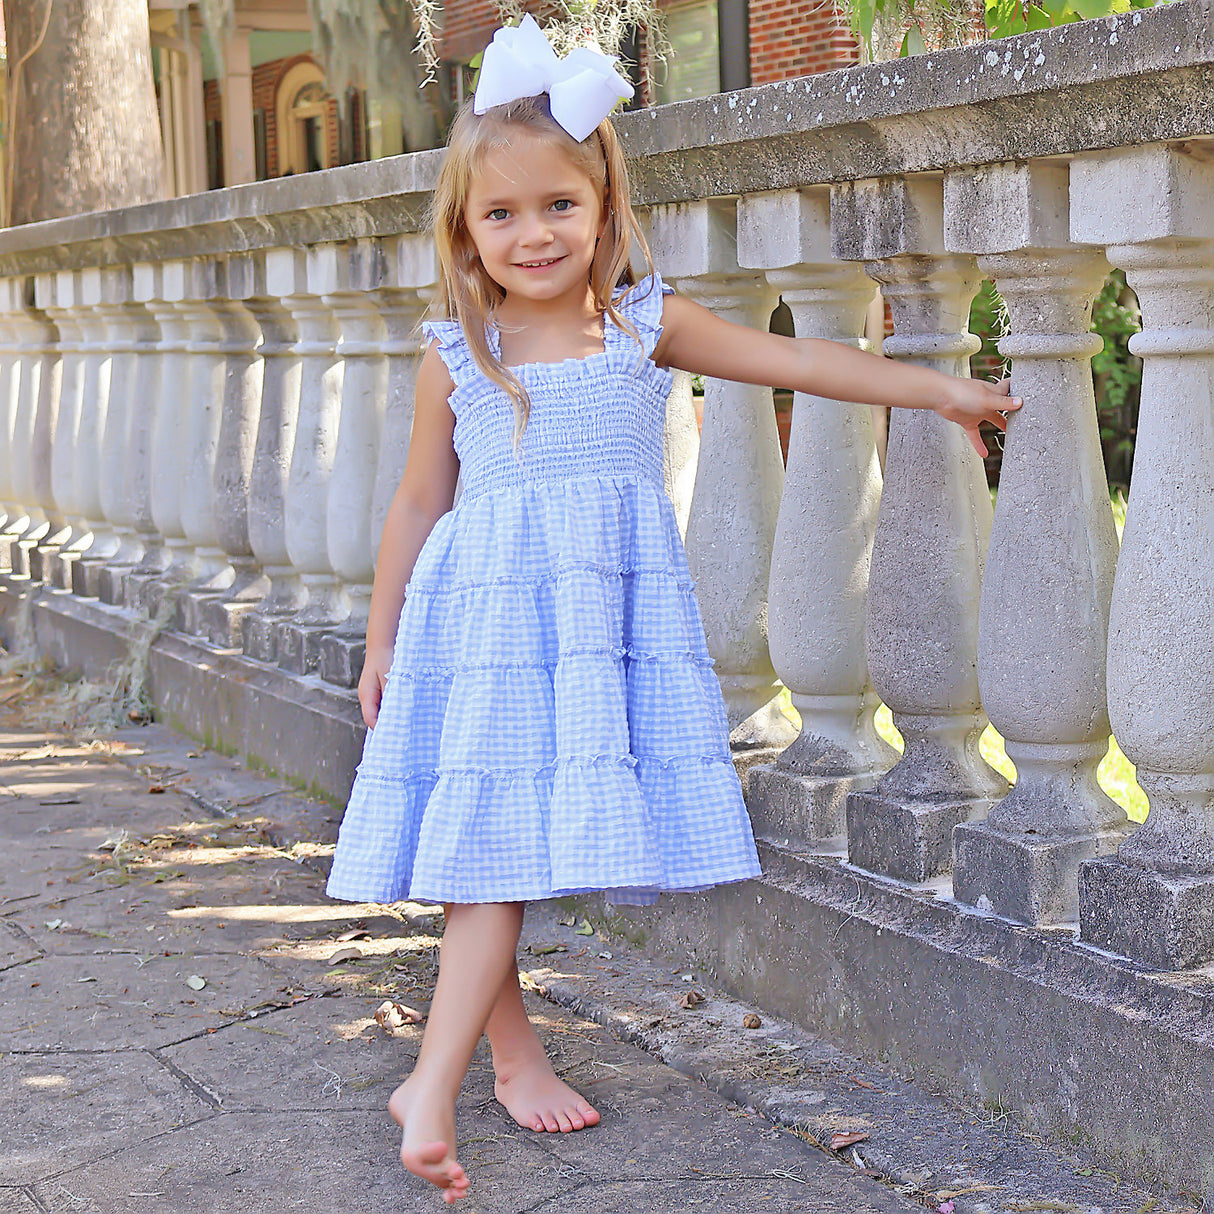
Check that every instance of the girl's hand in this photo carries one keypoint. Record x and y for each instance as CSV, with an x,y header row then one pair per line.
x,y
371,683
969,402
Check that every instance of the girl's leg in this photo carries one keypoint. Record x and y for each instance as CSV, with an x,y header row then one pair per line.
x,y
475,957
526,1083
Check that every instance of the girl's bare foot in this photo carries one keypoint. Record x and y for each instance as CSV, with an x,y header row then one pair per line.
x,y
427,1146
534,1096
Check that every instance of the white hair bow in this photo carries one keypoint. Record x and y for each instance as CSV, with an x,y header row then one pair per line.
x,y
583,88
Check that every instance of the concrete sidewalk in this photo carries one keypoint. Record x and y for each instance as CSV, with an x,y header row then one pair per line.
x,y
188,1024
180,1035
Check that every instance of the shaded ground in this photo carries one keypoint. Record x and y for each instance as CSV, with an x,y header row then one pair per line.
x,y
179,1033
188,1024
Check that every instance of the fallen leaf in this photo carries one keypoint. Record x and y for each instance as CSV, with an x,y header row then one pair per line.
x,y
195,983
568,921
60,801
52,924
840,1140
355,933
87,979
155,788
542,950
393,1016
345,954
690,999
584,929
751,1021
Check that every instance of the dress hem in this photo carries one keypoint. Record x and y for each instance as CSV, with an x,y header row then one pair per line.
x,y
631,895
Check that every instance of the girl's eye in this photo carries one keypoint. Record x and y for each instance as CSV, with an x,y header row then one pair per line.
x,y
563,204
498,213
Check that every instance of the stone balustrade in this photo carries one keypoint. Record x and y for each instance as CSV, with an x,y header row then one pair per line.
x,y
205,408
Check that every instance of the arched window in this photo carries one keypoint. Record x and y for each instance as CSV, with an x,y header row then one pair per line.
x,y
304,120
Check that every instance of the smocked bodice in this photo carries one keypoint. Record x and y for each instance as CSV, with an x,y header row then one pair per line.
x,y
601,416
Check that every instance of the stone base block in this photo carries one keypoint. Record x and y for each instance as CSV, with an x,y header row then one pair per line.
x,y
157,598
57,568
341,658
86,577
911,841
221,622
259,635
193,608
1164,921
18,559
111,584
1027,878
297,646
38,562
803,812
138,590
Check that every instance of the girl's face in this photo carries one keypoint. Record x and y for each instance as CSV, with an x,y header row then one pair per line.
x,y
535,218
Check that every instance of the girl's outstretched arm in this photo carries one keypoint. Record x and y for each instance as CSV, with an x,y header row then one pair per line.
x,y
695,339
426,492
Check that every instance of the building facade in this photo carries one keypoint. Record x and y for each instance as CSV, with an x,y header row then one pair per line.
x,y
259,106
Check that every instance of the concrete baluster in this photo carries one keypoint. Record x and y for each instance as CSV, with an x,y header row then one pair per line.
x,y
198,294
932,532
159,287
127,440
680,447
1043,620
15,513
732,518
352,483
101,293
1152,207
681,432
412,277
285,276
220,614
823,542
312,456
33,434
59,296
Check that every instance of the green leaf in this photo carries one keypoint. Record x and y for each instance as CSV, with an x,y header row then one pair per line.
x,y
1004,18
913,43
1057,9
862,15
1090,9
1038,18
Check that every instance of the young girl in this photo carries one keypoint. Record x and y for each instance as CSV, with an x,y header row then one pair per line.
x,y
545,718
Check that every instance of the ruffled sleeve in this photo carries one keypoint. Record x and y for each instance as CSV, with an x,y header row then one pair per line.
x,y
641,305
452,349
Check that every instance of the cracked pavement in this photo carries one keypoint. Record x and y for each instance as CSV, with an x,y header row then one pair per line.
x,y
177,1034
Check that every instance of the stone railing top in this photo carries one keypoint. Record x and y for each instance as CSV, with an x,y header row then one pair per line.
x,y
1141,77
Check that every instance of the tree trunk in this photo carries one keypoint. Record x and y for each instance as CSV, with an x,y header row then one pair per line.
x,y
82,108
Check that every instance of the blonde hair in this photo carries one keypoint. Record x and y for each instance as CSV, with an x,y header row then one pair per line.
x,y
466,291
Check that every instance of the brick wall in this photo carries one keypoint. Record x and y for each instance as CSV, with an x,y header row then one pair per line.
x,y
787,37
797,38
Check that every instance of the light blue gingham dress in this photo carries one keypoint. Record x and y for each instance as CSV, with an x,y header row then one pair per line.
x,y
551,722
